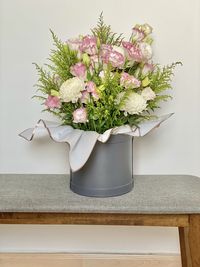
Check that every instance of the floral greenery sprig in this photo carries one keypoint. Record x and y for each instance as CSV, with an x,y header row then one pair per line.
x,y
100,81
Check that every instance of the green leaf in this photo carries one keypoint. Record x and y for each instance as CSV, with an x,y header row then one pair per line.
x,y
104,33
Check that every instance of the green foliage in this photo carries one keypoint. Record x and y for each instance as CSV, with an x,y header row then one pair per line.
x,y
160,80
104,114
46,82
62,58
104,33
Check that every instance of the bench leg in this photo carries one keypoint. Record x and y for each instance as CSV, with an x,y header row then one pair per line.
x,y
190,242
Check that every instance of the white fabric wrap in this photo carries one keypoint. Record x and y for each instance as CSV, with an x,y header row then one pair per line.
x,y
82,142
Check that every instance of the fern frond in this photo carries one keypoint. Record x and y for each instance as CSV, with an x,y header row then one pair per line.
x,y
104,33
62,58
160,80
45,81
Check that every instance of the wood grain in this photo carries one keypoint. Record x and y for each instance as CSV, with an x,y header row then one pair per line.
x,y
194,239
67,260
179,220
184,247
190,242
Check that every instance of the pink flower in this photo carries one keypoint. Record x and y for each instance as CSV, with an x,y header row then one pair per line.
x,y
105,52
91,88
137,34
129,81
89,45
140,52
132,51
78,70
112,56
94,61
95,95
85,97
148,68
80,115
52,102
116,59
73,43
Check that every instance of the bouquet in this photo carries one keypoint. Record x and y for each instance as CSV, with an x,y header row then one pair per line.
x,y
100,81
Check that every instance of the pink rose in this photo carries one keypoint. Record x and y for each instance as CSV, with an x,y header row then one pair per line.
x,y
80,115
78,70
129,81
52,102
89,45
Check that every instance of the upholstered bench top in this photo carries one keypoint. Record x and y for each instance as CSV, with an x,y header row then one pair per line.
x,y
152,194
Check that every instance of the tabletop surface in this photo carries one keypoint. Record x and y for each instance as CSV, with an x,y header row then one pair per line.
x,y
152,194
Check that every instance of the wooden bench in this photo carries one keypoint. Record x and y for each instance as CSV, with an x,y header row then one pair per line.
x,y
157,200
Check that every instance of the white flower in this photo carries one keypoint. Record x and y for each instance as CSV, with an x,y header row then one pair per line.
x,y
146,51
70,90
133,104
148,94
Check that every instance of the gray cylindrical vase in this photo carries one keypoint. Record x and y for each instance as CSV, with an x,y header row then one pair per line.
x,y
108,171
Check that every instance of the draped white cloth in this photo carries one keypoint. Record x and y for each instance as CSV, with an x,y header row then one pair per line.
x,y
82,142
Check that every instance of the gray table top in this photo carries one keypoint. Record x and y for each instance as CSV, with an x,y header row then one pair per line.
x,y
155,194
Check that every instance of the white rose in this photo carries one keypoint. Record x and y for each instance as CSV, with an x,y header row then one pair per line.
x,y
70,90
148,94
134,103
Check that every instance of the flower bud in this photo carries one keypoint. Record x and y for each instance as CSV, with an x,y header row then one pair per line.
x,y
145,82
86,59
54,93
98,43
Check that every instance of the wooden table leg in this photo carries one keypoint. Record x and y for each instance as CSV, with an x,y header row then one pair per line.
x,y
184,247
190,242
194,239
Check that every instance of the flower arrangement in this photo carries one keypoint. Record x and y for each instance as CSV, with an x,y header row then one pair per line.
x,y
100,81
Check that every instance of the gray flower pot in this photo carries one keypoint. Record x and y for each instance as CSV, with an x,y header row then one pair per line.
x,y
108,171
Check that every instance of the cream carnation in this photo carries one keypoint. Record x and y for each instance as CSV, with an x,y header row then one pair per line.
x,y
148,94
133,104
70,90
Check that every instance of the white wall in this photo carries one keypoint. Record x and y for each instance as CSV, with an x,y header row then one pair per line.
x,y
172,149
